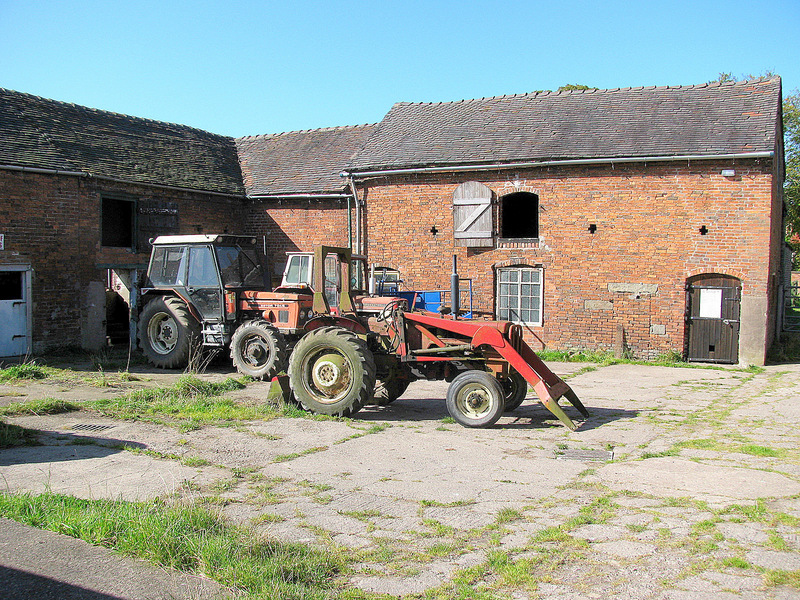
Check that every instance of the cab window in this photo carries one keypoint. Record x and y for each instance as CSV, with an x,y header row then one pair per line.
x,y
168,266
202,271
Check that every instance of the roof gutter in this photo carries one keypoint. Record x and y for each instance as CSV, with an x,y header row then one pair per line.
x,y
554,163
299,196
43,171
116,180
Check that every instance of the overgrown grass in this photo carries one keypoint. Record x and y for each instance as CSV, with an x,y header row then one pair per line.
x,y
186,538
22,372
42,406
607,359
578,356
190,399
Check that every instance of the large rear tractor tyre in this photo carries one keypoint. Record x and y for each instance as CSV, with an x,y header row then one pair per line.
x,y
475,399
332,372
515,388
167,331
388,391
258,350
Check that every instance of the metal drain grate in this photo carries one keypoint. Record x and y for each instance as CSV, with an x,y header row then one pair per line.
x,y
90,427
575,454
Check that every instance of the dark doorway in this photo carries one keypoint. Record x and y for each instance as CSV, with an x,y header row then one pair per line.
x,y
713,305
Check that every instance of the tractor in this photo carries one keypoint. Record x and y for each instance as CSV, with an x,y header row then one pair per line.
x,y
345,348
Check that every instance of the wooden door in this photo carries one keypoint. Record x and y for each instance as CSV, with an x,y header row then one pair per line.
x,y
472,215
713,307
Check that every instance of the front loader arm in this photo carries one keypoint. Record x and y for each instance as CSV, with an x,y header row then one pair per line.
x,y
548,386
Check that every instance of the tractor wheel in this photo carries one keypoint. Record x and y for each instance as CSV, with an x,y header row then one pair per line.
x,y
167,331
258,350
331,371
475,399
515,388
388,391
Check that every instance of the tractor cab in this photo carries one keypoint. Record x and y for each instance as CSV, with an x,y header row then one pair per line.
x,y
298,276
201,268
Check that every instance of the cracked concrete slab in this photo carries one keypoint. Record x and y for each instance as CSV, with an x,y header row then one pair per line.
x,y
427,498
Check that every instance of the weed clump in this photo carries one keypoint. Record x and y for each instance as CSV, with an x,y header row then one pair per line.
x,y
22,372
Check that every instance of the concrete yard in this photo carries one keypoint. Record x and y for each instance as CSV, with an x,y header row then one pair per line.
x,y
684,484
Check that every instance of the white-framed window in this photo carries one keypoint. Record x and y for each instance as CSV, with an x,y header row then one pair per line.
x,y
519,294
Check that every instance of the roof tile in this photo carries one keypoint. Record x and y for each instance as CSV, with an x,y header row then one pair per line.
x,y
42,133
622,122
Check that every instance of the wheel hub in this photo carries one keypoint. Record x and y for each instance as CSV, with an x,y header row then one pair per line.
x,y
475,400
163,333
256,353
330,374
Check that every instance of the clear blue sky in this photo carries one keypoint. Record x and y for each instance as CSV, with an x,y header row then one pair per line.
x,y
243,67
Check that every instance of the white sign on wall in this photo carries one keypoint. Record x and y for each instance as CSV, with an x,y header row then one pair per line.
x,y
2,241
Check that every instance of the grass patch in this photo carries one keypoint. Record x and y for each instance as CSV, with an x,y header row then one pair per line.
x,y
43,406
14,435
774,578
186,538
701,444
662,454
190,399
22,372
603,358
764,451
293,455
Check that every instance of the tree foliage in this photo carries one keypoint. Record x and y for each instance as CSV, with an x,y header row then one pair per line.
x,y
791,185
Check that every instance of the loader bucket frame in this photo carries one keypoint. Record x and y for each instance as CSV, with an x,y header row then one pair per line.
x,y
506,339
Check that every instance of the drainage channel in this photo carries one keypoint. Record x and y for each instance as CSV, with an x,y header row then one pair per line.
x,y
91,427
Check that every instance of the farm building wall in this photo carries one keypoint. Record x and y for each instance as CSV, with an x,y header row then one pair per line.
x,y
615,248
298,225
55,224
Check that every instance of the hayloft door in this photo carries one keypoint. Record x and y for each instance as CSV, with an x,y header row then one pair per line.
x,y
713,303
14,311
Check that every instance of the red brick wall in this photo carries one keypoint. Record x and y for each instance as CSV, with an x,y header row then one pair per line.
x,y
298,225
648,219
53,223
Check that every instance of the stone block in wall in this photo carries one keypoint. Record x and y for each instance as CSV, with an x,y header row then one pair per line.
x,y
634,289
598,305
658,330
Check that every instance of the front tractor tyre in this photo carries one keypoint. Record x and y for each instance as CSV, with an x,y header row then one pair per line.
x,y
332,372
515,388
167,331
475,399
258,350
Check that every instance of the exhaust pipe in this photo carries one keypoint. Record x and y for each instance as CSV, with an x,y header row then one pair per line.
x,y
454,292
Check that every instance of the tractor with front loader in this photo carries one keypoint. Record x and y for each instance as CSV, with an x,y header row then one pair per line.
x,y
345,348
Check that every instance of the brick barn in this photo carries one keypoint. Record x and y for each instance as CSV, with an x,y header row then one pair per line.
x,y
645,221
81,193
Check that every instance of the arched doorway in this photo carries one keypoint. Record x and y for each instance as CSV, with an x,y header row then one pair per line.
x,y
713,307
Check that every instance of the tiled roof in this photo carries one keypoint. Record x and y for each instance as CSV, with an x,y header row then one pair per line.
x,y
41,133
299,161
705,119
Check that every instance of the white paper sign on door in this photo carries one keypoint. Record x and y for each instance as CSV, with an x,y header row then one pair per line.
x,y
711,303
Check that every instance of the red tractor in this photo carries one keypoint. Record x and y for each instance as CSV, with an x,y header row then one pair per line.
x,y
348,349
